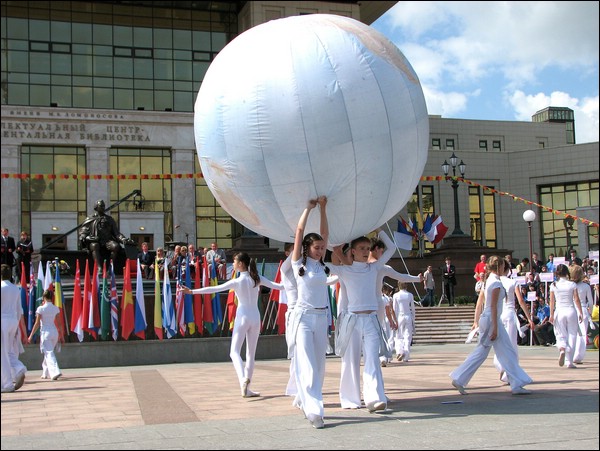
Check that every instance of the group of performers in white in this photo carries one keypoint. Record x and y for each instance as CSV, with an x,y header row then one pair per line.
x,y
374,319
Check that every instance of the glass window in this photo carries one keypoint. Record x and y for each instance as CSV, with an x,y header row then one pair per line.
x,y
39,30
156,193
496,145
124,99
435,144
450,144
483,145
558,236
39,95
82,33
64,41
58,194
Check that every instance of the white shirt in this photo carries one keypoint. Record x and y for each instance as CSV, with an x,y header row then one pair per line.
x,y
312,290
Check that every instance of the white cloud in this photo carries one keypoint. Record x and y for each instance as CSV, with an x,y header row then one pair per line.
x,y
586,111
469,55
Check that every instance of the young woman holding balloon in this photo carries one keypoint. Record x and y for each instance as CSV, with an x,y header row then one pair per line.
x,y
308,336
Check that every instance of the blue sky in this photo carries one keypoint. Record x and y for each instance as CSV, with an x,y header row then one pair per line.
x,y
502,60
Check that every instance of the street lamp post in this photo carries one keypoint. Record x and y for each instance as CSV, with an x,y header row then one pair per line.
x,y
461,167
529,217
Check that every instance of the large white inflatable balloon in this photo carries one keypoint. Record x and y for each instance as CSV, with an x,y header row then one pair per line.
x,y
307,106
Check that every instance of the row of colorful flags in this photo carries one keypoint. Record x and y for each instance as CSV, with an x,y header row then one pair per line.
x,y
431,227
98,310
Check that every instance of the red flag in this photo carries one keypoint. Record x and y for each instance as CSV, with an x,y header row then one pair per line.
x,y
274,296
231,305
207,312
127,313
94,319
76,313
198,298
87,293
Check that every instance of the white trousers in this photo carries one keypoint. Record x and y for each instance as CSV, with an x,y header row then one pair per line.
x,y
404,336
366,338
506,353
566,329
48,341
509,321
11,365
309,360
581,341
244,328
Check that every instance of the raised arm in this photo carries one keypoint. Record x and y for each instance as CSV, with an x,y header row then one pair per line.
x,y
297,252
324,227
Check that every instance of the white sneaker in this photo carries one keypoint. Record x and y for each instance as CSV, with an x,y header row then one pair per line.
x,y
245,387
570,365
521,391
561,358
318,423
20,380
376,406
251,394
459,387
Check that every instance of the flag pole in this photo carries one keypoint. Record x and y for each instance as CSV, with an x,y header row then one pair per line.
x,y
402,258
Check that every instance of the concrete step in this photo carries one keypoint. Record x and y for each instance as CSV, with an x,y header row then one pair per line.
x,y
438,325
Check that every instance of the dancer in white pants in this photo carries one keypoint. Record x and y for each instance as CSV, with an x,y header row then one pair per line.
x,y
565,315
492,334
509,313
246,325
289,296
360,330
46,318
587,304
404,306
308,334
387,319
13,370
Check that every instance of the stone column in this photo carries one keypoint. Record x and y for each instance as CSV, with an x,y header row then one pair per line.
x,y
98,162
184,195
11,190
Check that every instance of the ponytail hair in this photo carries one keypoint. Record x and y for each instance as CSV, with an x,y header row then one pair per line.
x,y
250,265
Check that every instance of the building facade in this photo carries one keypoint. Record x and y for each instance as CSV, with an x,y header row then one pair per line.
x,y
97,102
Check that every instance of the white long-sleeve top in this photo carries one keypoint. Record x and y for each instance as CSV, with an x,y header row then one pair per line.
x,y
563,290
388,271
312,290
361,279
510,286
404,303
289,282
585,296
244,288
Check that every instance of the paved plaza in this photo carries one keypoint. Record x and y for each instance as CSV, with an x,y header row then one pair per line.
x,y
198,406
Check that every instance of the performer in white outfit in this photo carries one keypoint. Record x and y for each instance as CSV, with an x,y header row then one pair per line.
x,y
492,334
587,304
404,306
308,339
13,370
378,247
46,318
387,319
565,315
509,313
290,297
360,329
247,316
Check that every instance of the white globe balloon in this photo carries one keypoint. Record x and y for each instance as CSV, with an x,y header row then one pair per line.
x,y
306,106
